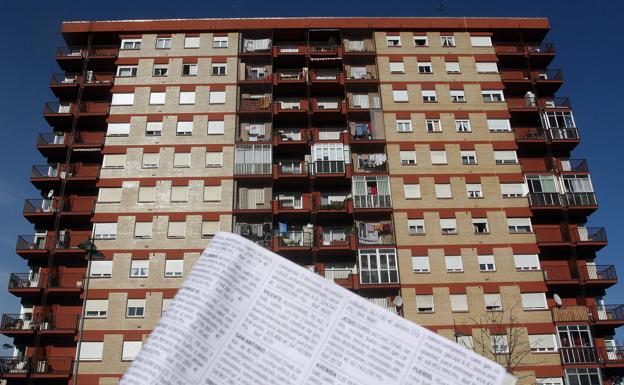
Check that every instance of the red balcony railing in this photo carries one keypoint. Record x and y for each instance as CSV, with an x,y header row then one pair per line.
x,y
40,281
94,107
51,139
38,322
39,367
586,273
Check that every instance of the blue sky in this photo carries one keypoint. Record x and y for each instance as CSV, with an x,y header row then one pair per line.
x,y
586,35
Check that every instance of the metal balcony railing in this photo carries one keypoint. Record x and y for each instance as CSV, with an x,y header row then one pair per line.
x,y
607,312
64,78
71,51
529,134
578,165
581,199
540,48
323,47
27,280
329,167
334,273
49,139
298,238
44,171
566,133
611,355
334,236
38,206
579,355
286,167
12,366
43,365
252,168
592,234
31,242
53,108
104,51
372,201
599,273
39,322
545,199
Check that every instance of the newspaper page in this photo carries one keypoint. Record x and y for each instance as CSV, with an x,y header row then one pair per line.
x,y
248,316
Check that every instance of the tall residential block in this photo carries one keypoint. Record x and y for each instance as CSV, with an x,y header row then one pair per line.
x,y
422,163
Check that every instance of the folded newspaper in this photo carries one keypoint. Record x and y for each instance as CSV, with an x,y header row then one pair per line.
x,y
246,315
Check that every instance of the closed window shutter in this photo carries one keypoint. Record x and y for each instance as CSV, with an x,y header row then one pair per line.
x,y
109,195
153,128
182,159
101,268
400,95
453,263
176,230
118,129
179,193
191,42
448,223
484,67
513,189
519,222
150,160
217,97
130,350
114,160
534,301
147,194
174,267
420,264
216,127
209,228
438,157
126,99
481,41
212,193
505,157
187,97
424,303
452,66
493,301
214,159
143,229
527,261
459,302
499,125
485,260
157,98
184,128
397,67
96,307
411,190
542,342
104,230
91,351
443,191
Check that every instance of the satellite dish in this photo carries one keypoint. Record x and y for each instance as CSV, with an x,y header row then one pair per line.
x,y
557,299
50,193
398,301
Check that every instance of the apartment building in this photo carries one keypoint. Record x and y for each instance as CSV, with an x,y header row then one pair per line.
x,y
423,163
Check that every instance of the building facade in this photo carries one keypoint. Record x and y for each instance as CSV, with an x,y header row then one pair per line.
x,y
423,163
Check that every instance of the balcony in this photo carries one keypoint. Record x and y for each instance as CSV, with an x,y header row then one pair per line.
x,y
51,144
539,54
325,49
28,284
289,49
67,242
608,315
290,136
332,204
289,76
361,202
591,237
605,356
370,163
327,106
255,103
293,240
259,233
363,102
40,210
291,169
321,76
32,246
252,169
45,176
357,46
375,233
335,238
546,200
547,81
330,168
368,132
49,323
294,204
365,74
88,141
59,114
65,85
290,106
573,165
258,45
572,200
46,367
346,277
78,208
93,109
599,275
531,104
70,59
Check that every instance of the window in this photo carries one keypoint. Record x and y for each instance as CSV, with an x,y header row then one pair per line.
x,y
480,226
150,160
453,263
526,262
492,96
404,125
420,264
420,41
101,269
125,99
157,98
179,193
425,68
459,302
219,42
452,67
505,157
486,263
493,302
468,157
163,43
486,68
407,157
184,128
465,341
378,266
433,125
176,230
513,190
217,97
160,70
130,44
462,125
127,71
109,195
90,351
212,193
393,41
498,125
209,228
399,96
583,376
104,231
481,41
114,161
397,67
559,119
139,268
214,159
130,350
550,380
474,190
429,96
534,301
216,127
416,226
438,157
187,97
443,191
458,96
153,128
447,41
577,183
541,183
218,69
448,225
147,194
135,308
411,191
191,41
500,344
541,343
182,159
96,308
174,267
424,303
189,69
143,230
519,225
